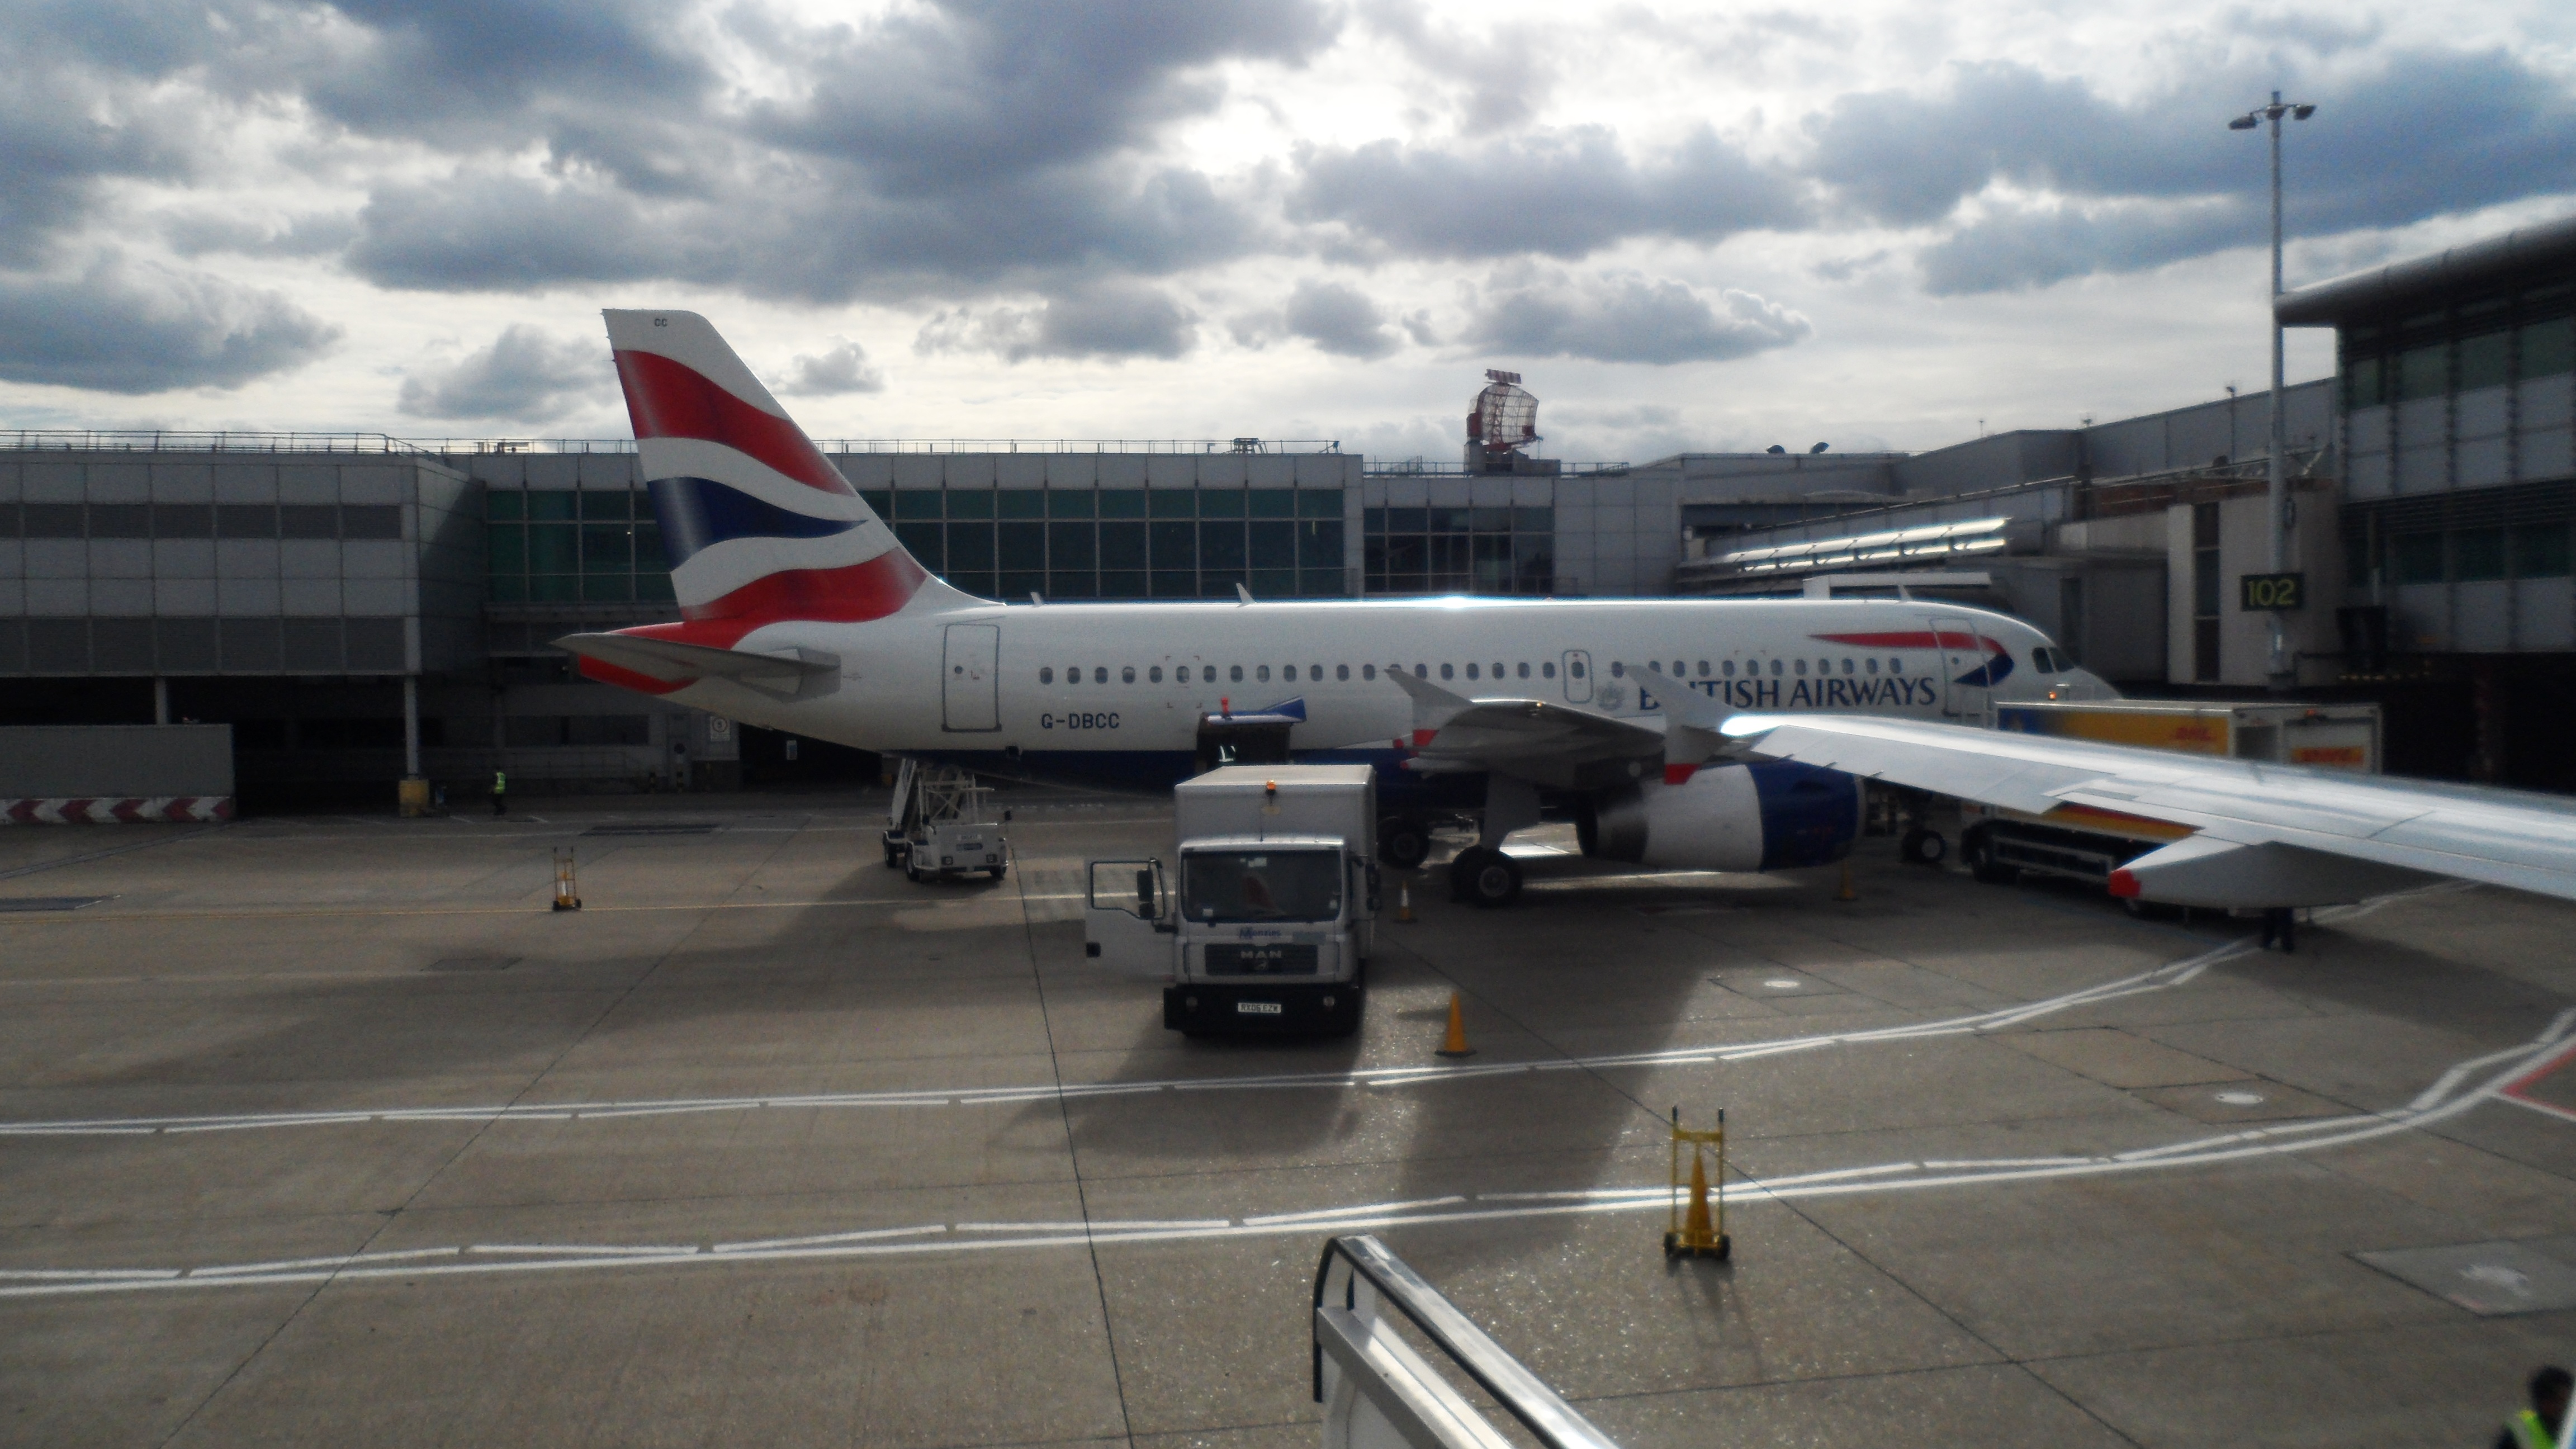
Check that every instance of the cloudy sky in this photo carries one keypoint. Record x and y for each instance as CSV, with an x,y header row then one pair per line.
x,y
1690,226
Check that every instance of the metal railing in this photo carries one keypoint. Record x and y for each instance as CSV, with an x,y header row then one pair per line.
x,y
1373,1384
156,440
1425,468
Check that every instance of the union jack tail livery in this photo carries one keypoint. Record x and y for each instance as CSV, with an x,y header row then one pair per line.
x,y
758,524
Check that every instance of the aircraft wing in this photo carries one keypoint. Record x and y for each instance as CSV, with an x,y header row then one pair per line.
x,y
1556,745
2265,834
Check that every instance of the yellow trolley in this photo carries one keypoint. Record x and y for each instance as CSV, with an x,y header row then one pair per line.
x,y
1694,1228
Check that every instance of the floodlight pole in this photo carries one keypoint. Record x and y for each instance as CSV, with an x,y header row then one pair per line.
x,y
2282,675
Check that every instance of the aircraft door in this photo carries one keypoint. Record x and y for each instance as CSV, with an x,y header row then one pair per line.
x,y
1127,916
970,678
1577,665
1964,695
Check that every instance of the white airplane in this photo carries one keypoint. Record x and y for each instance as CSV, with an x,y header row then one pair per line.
x,y
801,612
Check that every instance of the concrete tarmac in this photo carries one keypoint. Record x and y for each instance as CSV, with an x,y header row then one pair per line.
x,y
328,1131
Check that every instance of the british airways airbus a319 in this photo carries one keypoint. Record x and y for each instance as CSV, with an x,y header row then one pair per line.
x,y
801,612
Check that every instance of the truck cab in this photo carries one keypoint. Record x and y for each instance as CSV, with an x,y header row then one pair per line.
x,y
1264,918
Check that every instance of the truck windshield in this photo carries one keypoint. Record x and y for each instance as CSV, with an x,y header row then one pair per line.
x,y
1268,885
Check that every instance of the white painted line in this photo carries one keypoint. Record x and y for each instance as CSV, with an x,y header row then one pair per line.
x,y
1281,1219
864,1235
286,1264
87,1274
1594,1194
1098,1226
585,1250
1996,1162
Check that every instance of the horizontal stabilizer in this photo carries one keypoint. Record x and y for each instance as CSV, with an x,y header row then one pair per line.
x,y
788,676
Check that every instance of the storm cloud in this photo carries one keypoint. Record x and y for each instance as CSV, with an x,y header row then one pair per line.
x,y
1625,317
523,376
125,326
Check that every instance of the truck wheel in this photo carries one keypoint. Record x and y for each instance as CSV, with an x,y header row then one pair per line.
x,y
1403,842
894,857
1922,847
911,872
1486,878
998,871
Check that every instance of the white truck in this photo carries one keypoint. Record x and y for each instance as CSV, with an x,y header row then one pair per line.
x,y
1265,920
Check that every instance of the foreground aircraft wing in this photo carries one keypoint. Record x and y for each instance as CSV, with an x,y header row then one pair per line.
x,y
659,666
2264,834
1555,745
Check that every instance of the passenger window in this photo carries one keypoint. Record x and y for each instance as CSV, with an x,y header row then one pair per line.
x,y
1847,666
1896,666
1656,665
1448,673
1182,674
1802,668
1498,671
1575,668
1368,671
1618,669
1775,669
1421,671
1235,672
1873,664
1315,672
1547,670
1127,675
1727,666
1677,669
1703,669
1047,675
1471,671
1154,675
1100,674
1341,671
1524,669
1261,673
1073,674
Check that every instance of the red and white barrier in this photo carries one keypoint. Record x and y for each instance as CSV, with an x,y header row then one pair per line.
x,y
157,809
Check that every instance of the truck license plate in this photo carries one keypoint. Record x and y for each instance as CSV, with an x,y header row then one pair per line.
x,y
1258,1008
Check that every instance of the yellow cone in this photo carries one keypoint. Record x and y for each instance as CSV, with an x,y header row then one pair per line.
x,y
1404,904
1845,892
1456,1045
1697,1231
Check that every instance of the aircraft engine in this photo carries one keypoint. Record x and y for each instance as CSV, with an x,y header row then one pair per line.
x,y
1770,816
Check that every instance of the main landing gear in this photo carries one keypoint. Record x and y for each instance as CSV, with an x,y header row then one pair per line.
x,y
1484,876
1403,841
1922,847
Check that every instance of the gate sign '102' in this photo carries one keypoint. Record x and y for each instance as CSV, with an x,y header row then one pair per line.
x,y
2266,592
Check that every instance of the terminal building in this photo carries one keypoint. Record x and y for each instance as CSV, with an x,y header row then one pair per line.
x,y
355,606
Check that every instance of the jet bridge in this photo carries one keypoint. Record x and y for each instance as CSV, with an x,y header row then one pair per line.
x,y
1378,1390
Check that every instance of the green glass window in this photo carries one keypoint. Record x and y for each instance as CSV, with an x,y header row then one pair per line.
x,y
2363,383
653,588
969,503
1220,503
1321,583
917,503
553,548
1022,547
1070,503
1169,584
1062,584
2415,558
1020,502
606,549
2540,551
648,549
924,541
2484,359
607,588
970,547
1122,584
2549,348
880,502
1175,547
2477,553
2422,372
507,545
1274,545
1319,503
1069,546
1271,503
596,504
1122,545
1319,544
1021,585
550,504
1221,545
1172,503
1272,583
1122,502
509,588
504,503
554,588
1534,520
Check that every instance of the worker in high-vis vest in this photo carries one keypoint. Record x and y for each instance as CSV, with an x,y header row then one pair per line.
x,y
2544,1424
500,792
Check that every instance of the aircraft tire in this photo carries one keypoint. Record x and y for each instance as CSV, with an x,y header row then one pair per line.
x,y
1977,848
998,871
1922,847
1486,878
1403,842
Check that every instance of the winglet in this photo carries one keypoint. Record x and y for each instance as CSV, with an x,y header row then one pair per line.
x,y
1694,727
1432,705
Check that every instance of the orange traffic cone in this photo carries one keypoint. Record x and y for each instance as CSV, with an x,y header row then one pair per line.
x,y
1456,1043
1404,904
1845,892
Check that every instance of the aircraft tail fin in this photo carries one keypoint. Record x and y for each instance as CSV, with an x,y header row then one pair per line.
x,y
757,523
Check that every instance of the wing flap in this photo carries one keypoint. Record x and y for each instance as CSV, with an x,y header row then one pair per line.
x,y
793,675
